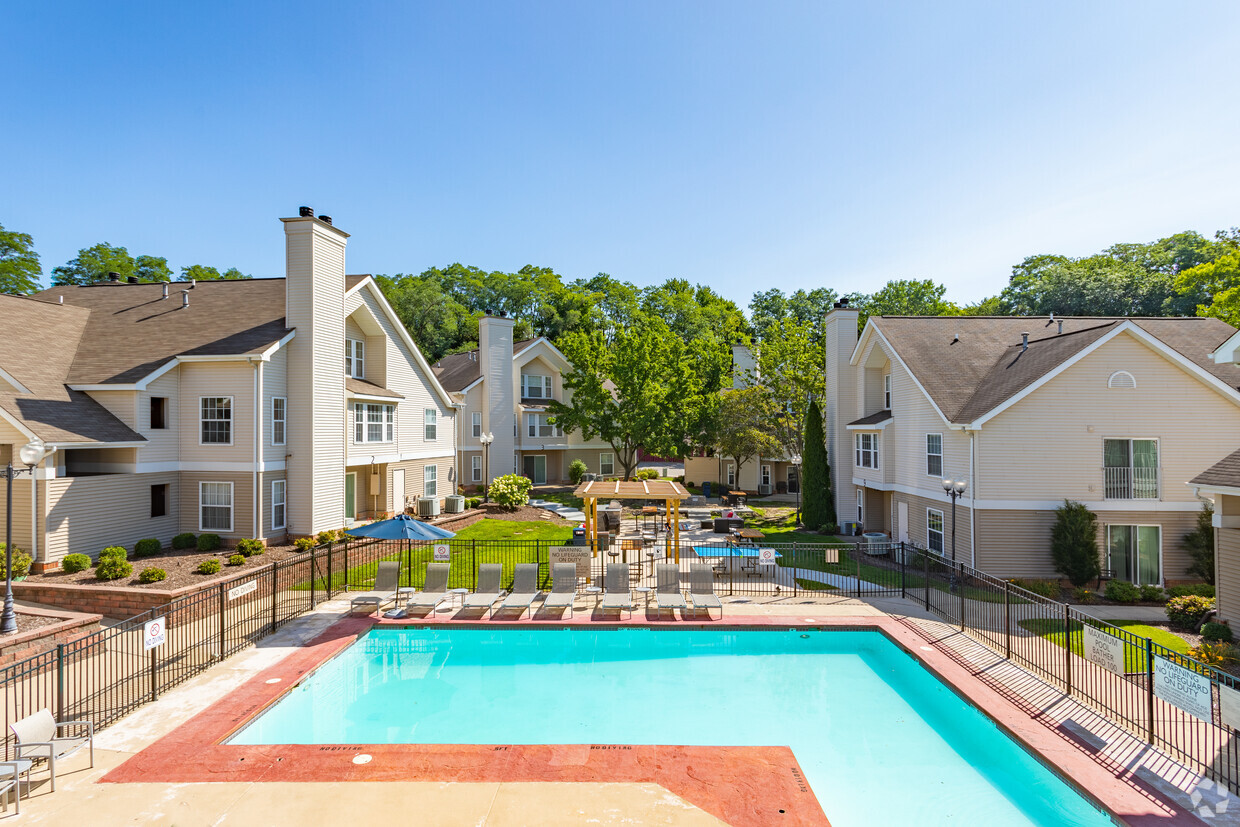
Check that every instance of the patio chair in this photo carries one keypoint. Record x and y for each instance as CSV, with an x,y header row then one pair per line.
x,y
563,587
524,589
702,590
11,773
617,594
38,737
434,589
488,591
386,580
667,592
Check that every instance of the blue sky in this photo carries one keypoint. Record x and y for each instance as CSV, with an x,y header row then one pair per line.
x,y
743,146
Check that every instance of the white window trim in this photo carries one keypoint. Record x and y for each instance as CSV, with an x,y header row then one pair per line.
x,y
886,391
544,386
476,424
351,349
430,476
388,418
942,532
612,463
939,475
283,420
861,506
232,507
232,423
764,475
1162,575
283,503
874,439
729,474
430,419
475,469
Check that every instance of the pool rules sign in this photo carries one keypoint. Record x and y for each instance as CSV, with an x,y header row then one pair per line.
x,y
1181,687
154,633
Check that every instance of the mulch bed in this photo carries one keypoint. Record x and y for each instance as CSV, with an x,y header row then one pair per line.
x,y
180,566
27,622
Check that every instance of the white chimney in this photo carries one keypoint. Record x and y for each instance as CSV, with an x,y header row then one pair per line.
x,y
744,367
314,308
502,389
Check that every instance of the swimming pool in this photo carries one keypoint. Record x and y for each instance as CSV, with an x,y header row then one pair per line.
x,y
879,738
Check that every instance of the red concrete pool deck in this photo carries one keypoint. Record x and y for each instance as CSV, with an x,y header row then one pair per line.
x,y
740,785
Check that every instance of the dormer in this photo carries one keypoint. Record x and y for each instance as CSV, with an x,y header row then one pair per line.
x,y
365,348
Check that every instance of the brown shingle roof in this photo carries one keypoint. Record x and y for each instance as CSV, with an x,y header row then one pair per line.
x,y
971,375
1224,473
458,371
872,419
361,386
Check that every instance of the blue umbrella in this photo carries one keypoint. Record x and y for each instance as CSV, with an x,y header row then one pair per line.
x,y
401,527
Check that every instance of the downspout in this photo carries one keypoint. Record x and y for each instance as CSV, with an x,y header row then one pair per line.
x,y
973,499
258,442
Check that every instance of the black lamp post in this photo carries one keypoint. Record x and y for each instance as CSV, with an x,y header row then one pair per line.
x,y
32,453
954,490
486,439
796,463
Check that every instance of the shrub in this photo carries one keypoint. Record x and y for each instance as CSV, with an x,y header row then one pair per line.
x,y
511,490
1199,543
691,485
1042,588
186,540
646,474
1121,591
304,543
325,537
114,551
1186,612
680,479
1199,589
1074,543
73,563
473,502
236,560
1214,654
151,575
21,560
1083,596
1152,594
208,542
1216,632
147,548
113,566
250,548
576,470
211,566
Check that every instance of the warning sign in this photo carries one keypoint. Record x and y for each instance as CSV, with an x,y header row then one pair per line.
x,y
154,633
577,555
443,553
766,557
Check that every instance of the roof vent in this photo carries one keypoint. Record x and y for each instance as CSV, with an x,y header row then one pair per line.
x,y
1052,315
1024,342
132,279
193,283
326,219
165,290
62,300
185,298
1061,326
956,338
114,277
305,212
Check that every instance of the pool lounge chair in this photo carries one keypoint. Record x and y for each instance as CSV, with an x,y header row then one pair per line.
x,y
37,737
434,589
702,590
617,594
524,588
488,590
386,580
563,587
667,593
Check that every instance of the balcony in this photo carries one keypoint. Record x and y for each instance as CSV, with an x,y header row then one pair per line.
x,y
1126,483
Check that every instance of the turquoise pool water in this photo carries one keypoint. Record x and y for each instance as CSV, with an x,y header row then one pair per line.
x,y
879,738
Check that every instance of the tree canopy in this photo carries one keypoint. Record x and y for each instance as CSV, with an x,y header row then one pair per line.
x,y
19,263
745,429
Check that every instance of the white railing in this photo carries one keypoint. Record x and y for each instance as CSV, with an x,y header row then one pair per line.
x,y
1131,483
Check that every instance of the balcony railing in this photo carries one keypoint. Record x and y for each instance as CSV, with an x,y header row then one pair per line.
x,y
1131,483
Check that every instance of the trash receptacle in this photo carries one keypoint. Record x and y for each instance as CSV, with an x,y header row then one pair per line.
x,y
579,536
706,490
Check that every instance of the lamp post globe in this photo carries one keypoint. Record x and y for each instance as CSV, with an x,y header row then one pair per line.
x,y
486,439
954,489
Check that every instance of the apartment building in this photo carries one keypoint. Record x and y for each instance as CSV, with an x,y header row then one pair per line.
x,y
1028,412
503,389
259,408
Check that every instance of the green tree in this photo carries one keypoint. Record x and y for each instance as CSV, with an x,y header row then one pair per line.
x,y
745,420
1199,543
819,503
770,308
1216,287
906,297
1074,544
201,272
93,264
790,366
19,263
152,268
637,391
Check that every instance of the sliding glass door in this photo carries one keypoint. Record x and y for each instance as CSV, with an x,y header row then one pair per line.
x,y
1134,553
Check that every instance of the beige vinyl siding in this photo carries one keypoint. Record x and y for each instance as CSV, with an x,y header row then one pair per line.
x,y
275,383
913,418
267,531
474,399
877,513
121,404
215,379
1055,435
86,514
467,469
414,480
1227,569
917,525
243,503
162,445
21,511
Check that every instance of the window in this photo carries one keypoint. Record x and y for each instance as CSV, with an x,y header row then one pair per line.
x,y
475,465
540,425
159,500
374,423
731,475
159,413
430,475
1130,469
277,504
476,418
430,422
861,506
607,464
1134,552
278,406
934,455
535,387
867,450
216,420
766,475
887,391
215,502
934,530
355,358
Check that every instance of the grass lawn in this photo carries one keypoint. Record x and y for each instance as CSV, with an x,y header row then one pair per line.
x,y
815,586
1134,657
487,529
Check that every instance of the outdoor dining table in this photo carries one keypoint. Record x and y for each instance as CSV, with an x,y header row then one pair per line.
x,y
748,534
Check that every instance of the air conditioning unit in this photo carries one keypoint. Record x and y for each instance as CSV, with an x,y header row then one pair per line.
x,y
428,507
851,528
454,504
764,489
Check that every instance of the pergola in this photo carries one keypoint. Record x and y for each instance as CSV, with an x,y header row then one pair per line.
x,y
670,492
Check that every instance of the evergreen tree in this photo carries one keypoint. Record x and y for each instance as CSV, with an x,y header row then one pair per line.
x,y
1199,543
1074,543
819,506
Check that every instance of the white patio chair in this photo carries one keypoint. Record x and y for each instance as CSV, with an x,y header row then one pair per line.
x,y
38,737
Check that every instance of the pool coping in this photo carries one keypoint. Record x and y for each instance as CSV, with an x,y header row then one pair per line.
x,y
740,784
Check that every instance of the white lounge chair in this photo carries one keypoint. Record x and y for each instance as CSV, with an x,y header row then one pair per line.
x,y
667,591
617,593
434,588
524,588
702,590
488,591
387,578
563,587
38,737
